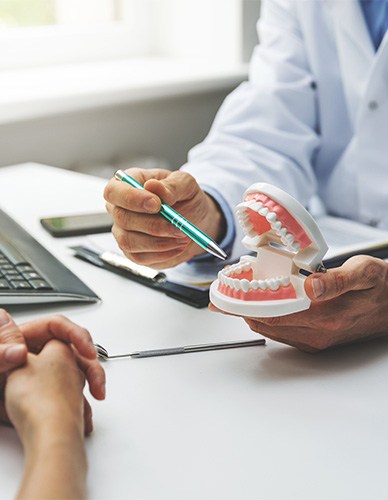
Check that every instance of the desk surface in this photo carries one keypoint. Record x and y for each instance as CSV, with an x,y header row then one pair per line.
x,y
257,423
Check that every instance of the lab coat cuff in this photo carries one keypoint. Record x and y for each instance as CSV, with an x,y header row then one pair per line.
x,y
227,242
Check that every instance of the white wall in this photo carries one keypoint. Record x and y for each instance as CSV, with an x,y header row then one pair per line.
x,y
164,129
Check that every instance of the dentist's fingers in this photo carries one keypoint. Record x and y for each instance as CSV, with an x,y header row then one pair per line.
x,y
132,242
176,187
123,195
153,225
358,273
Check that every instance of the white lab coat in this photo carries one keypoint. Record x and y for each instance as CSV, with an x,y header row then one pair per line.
x,y
313,117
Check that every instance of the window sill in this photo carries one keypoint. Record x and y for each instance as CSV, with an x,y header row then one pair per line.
x,y
39,92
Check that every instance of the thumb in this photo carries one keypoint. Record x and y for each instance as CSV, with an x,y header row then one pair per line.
x,y
357,273
13,350
178,186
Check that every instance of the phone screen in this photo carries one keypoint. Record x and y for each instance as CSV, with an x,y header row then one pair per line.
x,y
74,225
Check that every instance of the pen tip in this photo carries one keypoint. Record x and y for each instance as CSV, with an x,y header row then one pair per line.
x,y
216,251
119,175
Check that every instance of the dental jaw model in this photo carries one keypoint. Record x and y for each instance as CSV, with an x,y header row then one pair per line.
x,y
286,239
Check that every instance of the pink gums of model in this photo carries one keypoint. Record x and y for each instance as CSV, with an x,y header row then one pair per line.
x,y
285,237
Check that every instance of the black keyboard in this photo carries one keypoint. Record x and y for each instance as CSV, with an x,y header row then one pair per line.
x,y
30,274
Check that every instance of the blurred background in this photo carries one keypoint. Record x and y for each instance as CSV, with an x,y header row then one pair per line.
x,y
93,85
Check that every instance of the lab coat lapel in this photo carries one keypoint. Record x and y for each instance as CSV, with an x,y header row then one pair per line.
x,y
355,49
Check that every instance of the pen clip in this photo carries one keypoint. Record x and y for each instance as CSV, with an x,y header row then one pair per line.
x,y
121,262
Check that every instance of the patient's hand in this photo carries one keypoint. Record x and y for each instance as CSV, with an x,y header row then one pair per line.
x,y
349,304
46,391
32,336
44,401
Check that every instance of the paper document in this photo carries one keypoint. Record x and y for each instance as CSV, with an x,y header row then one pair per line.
x,y
198,276
342,236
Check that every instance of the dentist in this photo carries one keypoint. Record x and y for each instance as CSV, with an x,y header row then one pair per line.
x,y
313,120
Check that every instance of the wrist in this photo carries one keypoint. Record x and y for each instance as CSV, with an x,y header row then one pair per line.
x,y
51,432
54,453
215,219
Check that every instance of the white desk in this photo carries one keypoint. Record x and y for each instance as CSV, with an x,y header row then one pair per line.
x,y
256,423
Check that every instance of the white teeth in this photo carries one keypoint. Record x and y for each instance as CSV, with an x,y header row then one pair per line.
x,y
241,219
236,284
286,238
271,217
285,280
273,284
284,241
254,285
245,285
256,207
290,238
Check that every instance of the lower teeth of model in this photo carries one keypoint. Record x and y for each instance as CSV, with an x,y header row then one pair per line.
x,y
246,285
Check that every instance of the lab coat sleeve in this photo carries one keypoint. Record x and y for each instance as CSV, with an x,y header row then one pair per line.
x,y
266,130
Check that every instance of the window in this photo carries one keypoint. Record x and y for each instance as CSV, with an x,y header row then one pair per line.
x,y
41,32
17,13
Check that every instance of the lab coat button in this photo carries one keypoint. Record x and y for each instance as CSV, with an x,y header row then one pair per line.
x,y
372,105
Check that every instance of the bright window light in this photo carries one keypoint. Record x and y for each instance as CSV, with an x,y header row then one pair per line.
x,y
22,13
46,32
17,13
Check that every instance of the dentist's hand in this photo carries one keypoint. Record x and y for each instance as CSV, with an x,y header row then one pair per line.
x,y
145,236
349,304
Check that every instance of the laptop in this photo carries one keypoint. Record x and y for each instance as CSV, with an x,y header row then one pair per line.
x,y
30,274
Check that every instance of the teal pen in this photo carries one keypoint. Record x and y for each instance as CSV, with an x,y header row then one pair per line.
x,y
177,220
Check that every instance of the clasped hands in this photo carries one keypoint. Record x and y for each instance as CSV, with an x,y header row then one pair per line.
x,y
35,347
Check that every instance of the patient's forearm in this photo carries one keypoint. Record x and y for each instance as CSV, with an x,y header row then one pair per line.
x,y
55,463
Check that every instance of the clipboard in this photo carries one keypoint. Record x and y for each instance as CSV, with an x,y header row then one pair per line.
x,y
191,296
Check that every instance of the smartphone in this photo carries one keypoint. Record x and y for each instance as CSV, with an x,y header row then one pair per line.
x,y
76,225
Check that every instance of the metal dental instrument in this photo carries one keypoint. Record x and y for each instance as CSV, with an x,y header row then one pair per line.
x,y
103,354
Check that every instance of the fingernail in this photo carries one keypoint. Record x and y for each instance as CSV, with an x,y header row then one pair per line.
x,y
318,287
14,353
151,205
4,318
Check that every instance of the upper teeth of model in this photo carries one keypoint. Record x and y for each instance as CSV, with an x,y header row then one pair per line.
x,y
245,285
286,238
